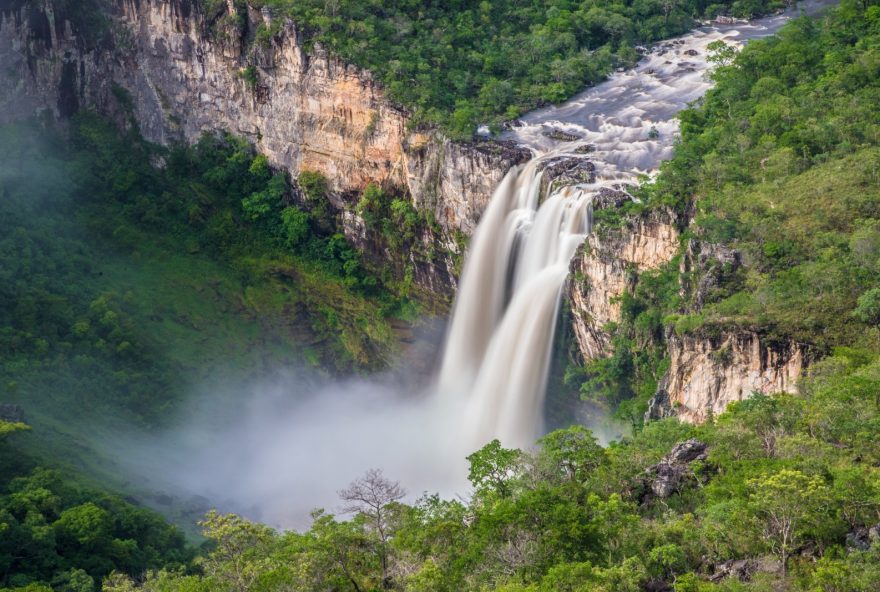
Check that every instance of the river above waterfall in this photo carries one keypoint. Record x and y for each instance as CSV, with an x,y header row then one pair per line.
x,y
616,117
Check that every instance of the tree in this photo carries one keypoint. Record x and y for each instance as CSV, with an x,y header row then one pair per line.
x,y
493,467
371,495
295,224
7,427
572,453
720,54
241,552
868,307
789,502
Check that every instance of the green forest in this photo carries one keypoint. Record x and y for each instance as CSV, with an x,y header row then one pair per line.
x,y
111,249
462,63
779,161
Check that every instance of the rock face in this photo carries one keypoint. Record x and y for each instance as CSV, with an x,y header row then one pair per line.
x,y
673,471
708,373
601,271
456,180
11,413
565,171
180,73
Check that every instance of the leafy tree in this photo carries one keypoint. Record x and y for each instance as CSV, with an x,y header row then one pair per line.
x,y
493,468
240,550
790,503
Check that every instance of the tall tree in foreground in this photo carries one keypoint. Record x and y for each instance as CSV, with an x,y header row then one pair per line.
x,y
372,495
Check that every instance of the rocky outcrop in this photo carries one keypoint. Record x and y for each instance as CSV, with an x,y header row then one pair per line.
x,y
178,73
456,180
566,171
11,413
707,373
603,269
673,471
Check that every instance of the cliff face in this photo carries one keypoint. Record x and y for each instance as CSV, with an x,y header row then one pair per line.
x,y
603,269
708,373
182,73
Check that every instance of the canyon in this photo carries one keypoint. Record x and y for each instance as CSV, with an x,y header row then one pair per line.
x,y
176,73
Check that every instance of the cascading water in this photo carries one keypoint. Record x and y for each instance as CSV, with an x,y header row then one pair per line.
x,y
498,348
290,445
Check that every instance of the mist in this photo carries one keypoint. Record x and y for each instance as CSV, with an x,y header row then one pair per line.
x,y
282,446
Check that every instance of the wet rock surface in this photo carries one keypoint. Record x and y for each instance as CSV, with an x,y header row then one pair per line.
x,y
611,197
565,171
561,136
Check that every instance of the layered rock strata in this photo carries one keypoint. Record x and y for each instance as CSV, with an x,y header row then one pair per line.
x,y
707,373
177,73
606,265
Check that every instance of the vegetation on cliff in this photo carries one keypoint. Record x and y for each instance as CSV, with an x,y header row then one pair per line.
x,y
464,63
778,163
133,276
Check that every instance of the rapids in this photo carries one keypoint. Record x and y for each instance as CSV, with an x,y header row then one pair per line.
x,y
500,337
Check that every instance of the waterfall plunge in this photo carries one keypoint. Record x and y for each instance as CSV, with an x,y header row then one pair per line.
x,y
497,352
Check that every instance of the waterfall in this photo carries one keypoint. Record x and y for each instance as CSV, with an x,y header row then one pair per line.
x,y
497,352
498,347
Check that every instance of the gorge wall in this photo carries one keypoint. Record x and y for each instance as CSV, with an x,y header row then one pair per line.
x,y
181,73
178,73
707,373
708,369
604,268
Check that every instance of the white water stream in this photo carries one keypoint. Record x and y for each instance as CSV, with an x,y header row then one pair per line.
x,y
498,349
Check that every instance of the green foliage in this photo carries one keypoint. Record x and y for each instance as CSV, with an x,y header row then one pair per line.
x,y
466,63
7,427
250,76
54,533
868,307
102,290
780,484
786,479
781,161
492,468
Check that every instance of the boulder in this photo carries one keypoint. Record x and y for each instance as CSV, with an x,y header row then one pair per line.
x,y
561,136
673,471
564,171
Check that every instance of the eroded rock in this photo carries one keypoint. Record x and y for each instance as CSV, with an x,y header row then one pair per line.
x,y
561,135
673,472
565,171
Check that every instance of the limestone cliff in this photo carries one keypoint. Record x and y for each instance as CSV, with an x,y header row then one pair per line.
x,y
707,373
604,267
182,72
709,369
